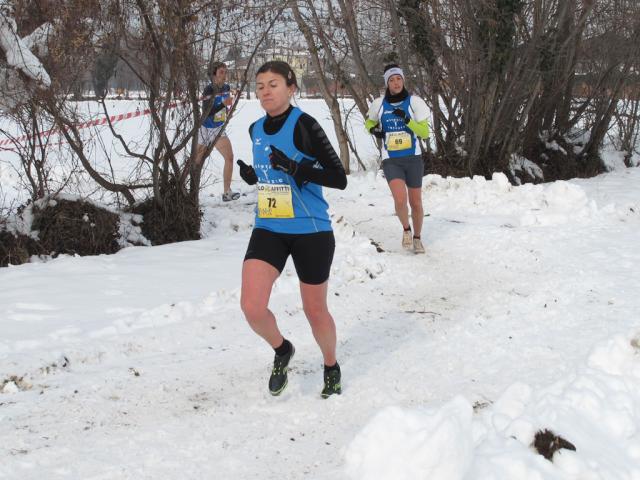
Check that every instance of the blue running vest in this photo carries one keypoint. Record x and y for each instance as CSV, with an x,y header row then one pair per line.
x,y
309,205
392,123
217,100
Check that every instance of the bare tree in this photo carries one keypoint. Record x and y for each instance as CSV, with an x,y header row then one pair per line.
x,y
511,76
330,95
20,70
627,121
31,148
167,45
342,38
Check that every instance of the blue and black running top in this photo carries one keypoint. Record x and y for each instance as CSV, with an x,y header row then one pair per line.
x,y
218,94
302,139
392,124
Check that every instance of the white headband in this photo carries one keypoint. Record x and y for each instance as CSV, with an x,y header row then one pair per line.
x,y
392,71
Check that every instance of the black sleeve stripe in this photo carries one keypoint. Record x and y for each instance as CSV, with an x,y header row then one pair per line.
x,y
317,142
326,147
311,140
301,135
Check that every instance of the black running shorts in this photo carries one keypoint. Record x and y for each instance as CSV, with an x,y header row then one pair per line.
x,y
312,253
410,169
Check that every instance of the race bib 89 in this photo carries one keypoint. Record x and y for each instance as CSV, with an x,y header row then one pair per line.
x,y
398,141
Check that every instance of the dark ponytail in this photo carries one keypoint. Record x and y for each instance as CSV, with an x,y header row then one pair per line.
x,y
281,68
390,66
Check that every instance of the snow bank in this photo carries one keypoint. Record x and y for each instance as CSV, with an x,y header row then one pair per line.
x,y
555,203
402,444
360,261
597,409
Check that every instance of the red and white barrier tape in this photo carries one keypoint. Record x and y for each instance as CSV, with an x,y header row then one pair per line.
x,y
90,123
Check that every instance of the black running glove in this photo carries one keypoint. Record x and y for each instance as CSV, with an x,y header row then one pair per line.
x,y
248,173
280,161
377,131
398,112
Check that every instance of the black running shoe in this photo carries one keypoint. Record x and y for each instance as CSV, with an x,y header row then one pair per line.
x,y
278,379
331,383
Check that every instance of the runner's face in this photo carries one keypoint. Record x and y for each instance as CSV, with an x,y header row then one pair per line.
x,y
220,76
396,84
273,92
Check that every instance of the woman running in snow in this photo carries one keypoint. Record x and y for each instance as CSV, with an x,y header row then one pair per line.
x,y
398,118
292,160
218,100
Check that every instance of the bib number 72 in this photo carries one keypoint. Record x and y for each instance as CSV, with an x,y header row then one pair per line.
x,y
274,201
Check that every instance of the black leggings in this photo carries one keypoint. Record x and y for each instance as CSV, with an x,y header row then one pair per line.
x,y
312,253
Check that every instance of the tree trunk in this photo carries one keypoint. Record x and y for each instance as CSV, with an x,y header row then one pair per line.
x,y
330,99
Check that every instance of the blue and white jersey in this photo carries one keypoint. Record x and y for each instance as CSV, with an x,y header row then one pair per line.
x,y
216,119
415,107
310,209
396,130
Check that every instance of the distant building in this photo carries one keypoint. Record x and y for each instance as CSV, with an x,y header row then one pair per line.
x,y
297,58
300,61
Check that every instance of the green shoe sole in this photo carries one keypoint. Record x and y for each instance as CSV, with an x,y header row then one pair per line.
x,y
336,391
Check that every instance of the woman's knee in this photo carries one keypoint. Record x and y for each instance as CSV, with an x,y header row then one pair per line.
x,y
313,314
400,203
315,311
253,311
415,201
416,206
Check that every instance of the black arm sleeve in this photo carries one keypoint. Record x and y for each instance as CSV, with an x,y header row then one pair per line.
x,y
310,139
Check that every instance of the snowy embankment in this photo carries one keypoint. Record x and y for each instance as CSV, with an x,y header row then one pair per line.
x,y
523,315
596,403
597,407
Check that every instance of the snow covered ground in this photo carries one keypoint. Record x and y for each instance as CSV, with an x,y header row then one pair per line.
x,y
523,315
